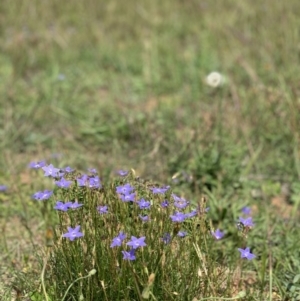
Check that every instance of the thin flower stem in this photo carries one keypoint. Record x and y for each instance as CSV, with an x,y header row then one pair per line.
x,y
43,274
88,275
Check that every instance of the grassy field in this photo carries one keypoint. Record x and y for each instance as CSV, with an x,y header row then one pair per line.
x,y
122,85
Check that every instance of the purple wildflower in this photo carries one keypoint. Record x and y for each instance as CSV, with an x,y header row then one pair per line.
x,y
42,195
137,242
246,253
62,206
50,171
182,233
75,205
164,203
102,209
129,255
218,234
247,222
3,188
191,214
63,183
128,197
122,172
117,241
73,233
92,170
143,204
157,190
37,165
175,197
246,210
68,169
144,218
166,238
124,189
82,181
94,182
178,217
181,204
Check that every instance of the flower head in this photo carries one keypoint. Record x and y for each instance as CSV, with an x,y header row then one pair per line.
x,y
50,171
42,195
94,182
137,242
143,204
62,206
164,203
247,222
82,181
129,255
246,253
157,190
102,209
3,187
128,197
92,170
63,183
73,233
124,189
117,241
144,218
218,234
75,205
246,210
122,172
181,204
178,217
37,165
191,214
68,169
166,238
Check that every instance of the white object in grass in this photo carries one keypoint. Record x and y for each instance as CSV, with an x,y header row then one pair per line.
x,y
215,79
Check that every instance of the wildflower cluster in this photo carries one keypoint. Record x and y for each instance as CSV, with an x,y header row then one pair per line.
x,y
107,227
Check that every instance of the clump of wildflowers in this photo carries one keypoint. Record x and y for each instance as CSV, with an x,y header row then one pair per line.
x,y
163,229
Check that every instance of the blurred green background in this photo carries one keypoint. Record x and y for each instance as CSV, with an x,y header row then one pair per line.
x,y
122,83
